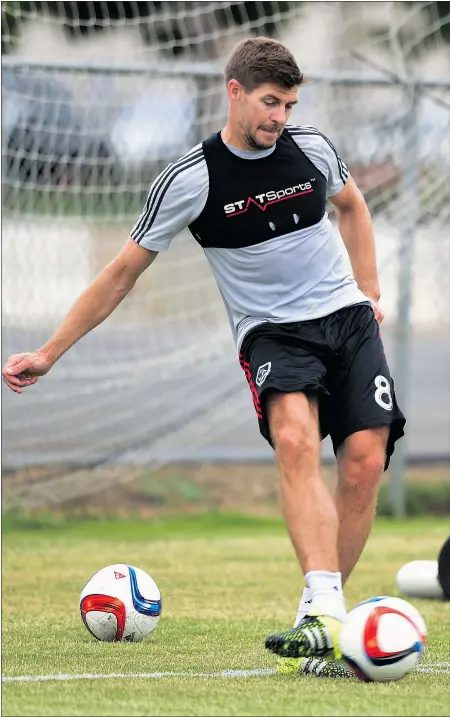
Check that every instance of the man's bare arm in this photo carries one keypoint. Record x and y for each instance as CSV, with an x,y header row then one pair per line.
x,y
100,299
94,305
355,226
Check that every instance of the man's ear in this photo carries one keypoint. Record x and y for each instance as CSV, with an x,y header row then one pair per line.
x,y
235,90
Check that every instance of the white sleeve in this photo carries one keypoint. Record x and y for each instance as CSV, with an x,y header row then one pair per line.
x,y
337,169
176,198
322,153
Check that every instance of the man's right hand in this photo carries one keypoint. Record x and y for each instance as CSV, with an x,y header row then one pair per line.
x,y
22,370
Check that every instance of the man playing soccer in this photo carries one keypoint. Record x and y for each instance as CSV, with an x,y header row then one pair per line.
x,y
254,197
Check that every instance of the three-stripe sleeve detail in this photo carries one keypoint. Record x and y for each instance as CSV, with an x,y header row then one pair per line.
x,y
308,130
159,190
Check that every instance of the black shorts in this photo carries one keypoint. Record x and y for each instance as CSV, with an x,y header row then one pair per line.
x,y
338,358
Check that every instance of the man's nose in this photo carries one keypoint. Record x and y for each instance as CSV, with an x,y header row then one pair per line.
x,y
278,115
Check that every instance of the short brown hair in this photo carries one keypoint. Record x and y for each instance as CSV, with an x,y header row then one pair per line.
x,y
259,60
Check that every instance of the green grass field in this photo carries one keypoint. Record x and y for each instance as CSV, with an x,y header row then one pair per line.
x,y
227,581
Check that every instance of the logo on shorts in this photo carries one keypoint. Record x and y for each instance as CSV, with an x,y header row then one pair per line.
x,y
263,372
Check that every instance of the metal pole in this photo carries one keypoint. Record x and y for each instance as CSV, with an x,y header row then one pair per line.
x,y
408,214
214,69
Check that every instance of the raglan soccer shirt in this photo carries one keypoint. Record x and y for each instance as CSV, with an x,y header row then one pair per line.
x,y
261,219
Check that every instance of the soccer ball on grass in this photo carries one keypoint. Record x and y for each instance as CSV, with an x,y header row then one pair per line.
x,y
120,603
383,639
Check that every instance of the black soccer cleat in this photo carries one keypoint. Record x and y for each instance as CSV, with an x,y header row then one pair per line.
x,y
315,636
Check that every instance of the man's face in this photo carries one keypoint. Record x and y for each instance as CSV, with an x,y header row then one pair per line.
x,y
262,114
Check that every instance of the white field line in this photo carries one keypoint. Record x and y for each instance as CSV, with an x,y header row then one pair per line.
x,y
138,675
437,668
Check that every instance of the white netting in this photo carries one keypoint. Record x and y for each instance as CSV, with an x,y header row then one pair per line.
x,y
97,99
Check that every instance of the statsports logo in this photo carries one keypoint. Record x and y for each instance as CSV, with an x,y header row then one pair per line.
x,y
262,201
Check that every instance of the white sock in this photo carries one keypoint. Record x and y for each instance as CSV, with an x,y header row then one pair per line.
x,y
303,606
326,594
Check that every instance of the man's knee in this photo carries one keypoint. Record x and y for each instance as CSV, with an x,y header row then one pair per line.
x,y
365,471
294,429
294,439
362,458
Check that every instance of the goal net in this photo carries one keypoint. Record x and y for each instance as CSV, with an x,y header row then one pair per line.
x,y
97,99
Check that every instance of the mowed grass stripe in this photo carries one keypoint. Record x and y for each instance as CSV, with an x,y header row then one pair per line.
x,y
210,524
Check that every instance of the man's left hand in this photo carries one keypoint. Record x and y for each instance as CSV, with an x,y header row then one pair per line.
x,y
379,316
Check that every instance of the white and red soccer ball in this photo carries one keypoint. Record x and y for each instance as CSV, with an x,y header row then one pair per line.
x,y
383,639
120,603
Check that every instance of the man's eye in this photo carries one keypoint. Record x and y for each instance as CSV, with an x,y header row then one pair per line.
x,y
269,103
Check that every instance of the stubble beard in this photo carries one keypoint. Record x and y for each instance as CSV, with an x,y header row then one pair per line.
x,y
254,144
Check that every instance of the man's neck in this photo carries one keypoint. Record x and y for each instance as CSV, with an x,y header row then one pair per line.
x,y
233,140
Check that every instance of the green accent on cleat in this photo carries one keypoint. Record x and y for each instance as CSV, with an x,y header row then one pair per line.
x,y
315,636
316,666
